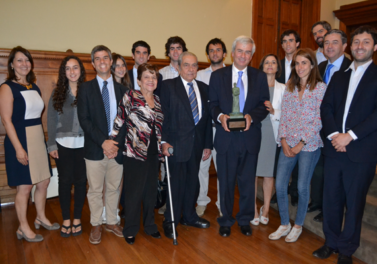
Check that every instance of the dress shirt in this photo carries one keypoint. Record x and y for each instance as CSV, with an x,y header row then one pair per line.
x,y
355,78
205,75
287,69
197,93
136,86
337,64
112,97
320,56
169,72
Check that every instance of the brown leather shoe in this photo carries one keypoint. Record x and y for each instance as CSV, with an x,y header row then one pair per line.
x,y
95,235
117,230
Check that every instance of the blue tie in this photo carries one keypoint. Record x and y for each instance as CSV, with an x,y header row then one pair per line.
x,y
242,91
327,74
106,103
193,103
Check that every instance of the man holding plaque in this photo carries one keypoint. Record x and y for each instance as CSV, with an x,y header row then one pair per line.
x,y
237,95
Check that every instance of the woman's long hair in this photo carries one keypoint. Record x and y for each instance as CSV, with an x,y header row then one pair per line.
x,y
314,76
62,86
125,81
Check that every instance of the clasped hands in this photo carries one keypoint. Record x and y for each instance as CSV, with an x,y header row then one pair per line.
x,y
225,117
110,148
291,152
340,141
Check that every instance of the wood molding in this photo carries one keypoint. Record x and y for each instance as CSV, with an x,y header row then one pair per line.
x,y
358,13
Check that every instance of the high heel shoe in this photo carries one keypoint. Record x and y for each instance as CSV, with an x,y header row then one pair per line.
x,y
262,219
37,238
255,221
294,235
54,226
282,231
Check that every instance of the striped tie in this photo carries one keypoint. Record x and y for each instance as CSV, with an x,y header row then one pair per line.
x,y
193,103
106,103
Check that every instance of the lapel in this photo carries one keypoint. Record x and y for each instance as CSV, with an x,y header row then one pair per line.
x,y
98,95
202,97
363,84
282,76
131,74
118,92
322,70
250,78
182,95
345,64
228,87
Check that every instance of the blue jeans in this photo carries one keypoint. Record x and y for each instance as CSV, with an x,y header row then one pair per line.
x,y
306,164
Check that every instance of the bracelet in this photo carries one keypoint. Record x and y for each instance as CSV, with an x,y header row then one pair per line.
x,y
303,142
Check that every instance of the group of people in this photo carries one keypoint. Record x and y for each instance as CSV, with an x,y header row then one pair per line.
x,y
310,115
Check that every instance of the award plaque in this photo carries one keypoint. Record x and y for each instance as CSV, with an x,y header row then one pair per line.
x,y
236,120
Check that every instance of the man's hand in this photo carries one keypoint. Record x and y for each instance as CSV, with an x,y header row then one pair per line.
x,y
206,154
248,122
297,149
287,149
110,148
165,147
54,154
223,119
340,141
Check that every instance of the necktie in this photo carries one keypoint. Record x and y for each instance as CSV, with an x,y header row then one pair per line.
x,y
242,91
193,102
106,103
327,74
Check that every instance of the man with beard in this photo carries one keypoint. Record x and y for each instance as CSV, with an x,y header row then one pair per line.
x,y
216,52
173,48
319,30
349,118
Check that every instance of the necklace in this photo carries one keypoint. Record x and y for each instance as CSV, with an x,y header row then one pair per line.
x,y
27,86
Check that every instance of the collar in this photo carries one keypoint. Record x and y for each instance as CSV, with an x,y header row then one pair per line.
x,y
363,67
185,83
210,68
172,68
235,70
109,80
287,61
337,62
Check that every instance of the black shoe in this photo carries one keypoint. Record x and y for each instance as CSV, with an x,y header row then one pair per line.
x,y
246,230
168,231
274,199
319,217
130,240
343,259
294,200
224,231
122,214
156,235
313,207
324,252
201,223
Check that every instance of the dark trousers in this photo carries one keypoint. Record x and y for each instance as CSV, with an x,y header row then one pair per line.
x,y
316,190
292,188
236,163
71,171
346,184
140,189
184,183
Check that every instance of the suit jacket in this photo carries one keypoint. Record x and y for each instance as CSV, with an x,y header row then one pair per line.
x,y
179,129
159,82
281,78
221,101
276,104
344,66
92,118
131,75
361,118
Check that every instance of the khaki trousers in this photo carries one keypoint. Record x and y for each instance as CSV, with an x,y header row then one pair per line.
x,y
99,172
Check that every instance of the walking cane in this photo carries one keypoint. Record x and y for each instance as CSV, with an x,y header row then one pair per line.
x,y
170,150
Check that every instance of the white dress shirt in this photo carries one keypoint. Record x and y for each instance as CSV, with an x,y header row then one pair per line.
x,y
320,56
287,69
355,78
136,86
168,72
337,64
205,75
112,97
197,92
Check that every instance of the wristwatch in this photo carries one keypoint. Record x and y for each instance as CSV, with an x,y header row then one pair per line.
x,y
303,142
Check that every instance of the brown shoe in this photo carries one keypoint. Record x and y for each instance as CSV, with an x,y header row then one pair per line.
x,y
117,230
95,235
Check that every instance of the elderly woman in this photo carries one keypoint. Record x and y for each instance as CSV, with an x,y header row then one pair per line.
x,y
140,117
270,125
26,157
66,142
299,138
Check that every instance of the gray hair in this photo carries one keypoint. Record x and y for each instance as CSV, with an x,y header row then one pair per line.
x,y
186,53
244,40
100,48
343,35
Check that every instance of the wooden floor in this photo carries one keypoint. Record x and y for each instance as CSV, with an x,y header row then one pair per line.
x,y
194,245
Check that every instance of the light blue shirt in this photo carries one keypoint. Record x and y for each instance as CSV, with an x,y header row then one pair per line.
x,y
112,97
136,86
336,67
320,57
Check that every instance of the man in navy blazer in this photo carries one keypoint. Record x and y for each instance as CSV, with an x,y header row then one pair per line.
x,y
237,151
187,129
349,117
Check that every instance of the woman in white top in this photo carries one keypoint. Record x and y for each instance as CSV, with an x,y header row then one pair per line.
x,y
266,158
66,142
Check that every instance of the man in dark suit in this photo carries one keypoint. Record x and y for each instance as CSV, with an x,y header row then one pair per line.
x,y
97,108
334,45
187,129
290,42
237,151
349,117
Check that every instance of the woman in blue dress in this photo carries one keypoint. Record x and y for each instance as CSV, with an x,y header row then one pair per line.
x,y
26,157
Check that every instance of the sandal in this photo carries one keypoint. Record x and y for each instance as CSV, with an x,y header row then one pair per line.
x,y
65,234
77,233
